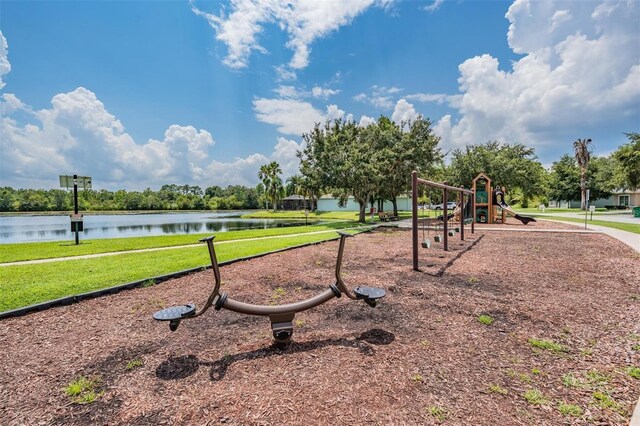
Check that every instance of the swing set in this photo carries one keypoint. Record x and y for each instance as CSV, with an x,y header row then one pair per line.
x,y
462,211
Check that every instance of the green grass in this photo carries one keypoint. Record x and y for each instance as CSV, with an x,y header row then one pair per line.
x,y
569,409
134,363
548,345
317,215
439,413
498,389
535,397
48,250
485,319
634,372
604,401
24,285
629,227
83,390
554,210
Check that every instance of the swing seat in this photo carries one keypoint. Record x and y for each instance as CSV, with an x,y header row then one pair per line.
x,y
426,243
175,313
452,233
437,239
370,295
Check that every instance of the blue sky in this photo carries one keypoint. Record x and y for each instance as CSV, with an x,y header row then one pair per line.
x,y
140,94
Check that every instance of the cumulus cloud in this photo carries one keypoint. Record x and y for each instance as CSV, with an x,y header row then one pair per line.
x,y
403,112
79,135
303,20
366,121
293,117
5,65
319,92
380,97
580,68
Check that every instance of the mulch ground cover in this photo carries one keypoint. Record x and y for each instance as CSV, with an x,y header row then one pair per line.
x,y
561,333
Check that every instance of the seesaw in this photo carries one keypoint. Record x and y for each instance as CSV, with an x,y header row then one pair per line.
x,y
281,316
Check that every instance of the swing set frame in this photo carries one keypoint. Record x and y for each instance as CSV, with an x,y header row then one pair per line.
x,y
446,189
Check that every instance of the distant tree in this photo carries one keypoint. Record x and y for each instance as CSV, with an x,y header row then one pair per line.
x,y
269,174
514,166
565,178
628,158
582,150
400,152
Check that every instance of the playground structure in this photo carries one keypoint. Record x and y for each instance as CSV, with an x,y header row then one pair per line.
x,y
281,316
488,200
446,216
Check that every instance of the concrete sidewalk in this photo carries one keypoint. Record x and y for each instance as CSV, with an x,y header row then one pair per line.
x,y
629,238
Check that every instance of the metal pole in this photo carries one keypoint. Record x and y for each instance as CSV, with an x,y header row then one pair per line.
x,y
75,204
414,218
461,198
473,212
445,199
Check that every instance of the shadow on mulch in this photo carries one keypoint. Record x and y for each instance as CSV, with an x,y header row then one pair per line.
x,y
185,366
440,272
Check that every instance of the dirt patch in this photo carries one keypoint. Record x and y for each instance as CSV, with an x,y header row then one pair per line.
x,y
564,312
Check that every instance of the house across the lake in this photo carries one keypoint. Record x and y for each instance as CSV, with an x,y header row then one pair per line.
x,y
617,200
330,203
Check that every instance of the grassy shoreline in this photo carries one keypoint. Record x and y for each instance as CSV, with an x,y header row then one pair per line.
x,y
46,250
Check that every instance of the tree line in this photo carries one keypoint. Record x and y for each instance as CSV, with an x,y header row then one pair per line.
x,y
169,197
373,164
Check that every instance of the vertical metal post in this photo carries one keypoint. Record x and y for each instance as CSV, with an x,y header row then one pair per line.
x,y
445,199
75,204
414,218
473,210
461,200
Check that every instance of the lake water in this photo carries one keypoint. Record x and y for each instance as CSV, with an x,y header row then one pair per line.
x,y
21,229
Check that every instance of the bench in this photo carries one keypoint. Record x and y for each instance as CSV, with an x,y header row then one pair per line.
x,y
386,216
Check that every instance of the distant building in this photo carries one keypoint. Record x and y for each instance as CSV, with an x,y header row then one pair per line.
x,y
617,200
295,202
330,203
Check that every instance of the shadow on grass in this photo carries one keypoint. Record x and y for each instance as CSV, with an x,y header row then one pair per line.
x,y
185,366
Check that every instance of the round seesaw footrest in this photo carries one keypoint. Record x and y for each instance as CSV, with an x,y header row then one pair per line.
x,y
175,312
370,293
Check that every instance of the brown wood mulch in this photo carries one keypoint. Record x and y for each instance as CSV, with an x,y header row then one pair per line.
x,y
420,357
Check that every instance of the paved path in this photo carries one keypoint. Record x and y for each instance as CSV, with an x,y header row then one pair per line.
x,y
629,238
608,217
115,253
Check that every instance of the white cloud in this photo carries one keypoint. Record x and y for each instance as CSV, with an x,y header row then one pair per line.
x,y
558,18
333,113
438,98
303,20
434,6
319,92
285,74
380,97
403,112
5,65
293,117
290,92
580,70
78,135
365,121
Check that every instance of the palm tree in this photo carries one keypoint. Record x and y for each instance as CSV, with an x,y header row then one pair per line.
x,y
269,175
265,177
582,148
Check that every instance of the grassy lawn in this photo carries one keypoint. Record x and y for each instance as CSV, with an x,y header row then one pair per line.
x,y
554,210
25,285
47,250
629,227
317,215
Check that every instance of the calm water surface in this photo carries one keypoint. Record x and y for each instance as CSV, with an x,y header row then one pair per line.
x,y
21,229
